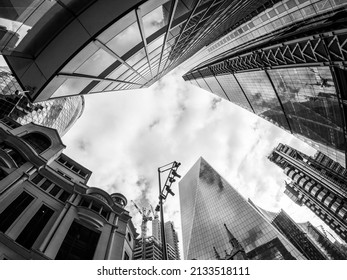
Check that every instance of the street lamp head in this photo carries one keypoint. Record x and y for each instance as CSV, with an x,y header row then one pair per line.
x,y
176,164
172,180
174,173
168,189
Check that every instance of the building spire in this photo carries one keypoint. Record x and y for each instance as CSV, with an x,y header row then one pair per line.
x,y
217,256
233,241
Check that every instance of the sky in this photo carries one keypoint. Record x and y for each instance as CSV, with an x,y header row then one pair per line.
x,y
123,137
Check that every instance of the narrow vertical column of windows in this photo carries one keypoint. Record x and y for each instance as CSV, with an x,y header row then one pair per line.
x,y
34,227
14,210
79,243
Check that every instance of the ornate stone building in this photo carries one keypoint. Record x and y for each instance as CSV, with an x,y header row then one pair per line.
x,y
47,211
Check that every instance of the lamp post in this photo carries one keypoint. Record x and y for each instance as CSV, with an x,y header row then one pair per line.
x,y
163,193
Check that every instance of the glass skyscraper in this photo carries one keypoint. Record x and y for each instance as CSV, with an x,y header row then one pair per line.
x,y
208,202
287,64
59,114
58,48
294,233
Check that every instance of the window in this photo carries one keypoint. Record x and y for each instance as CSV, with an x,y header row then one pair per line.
x,y
94,206
13,211
45,184
64,196
84,203
79,243
3,174
105,213
37,141
34,227
13,153
54,191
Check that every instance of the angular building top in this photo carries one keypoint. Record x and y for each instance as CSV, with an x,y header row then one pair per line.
x,y
208,202
60,113
63,48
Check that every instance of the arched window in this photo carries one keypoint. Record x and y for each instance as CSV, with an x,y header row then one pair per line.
x,y
37,141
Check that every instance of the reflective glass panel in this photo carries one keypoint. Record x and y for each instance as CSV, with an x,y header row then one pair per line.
x,y
117,27
96,64
233,91
137,57
208,202
154,20
80,58
126,40
156,44
308,95
117,72
71,87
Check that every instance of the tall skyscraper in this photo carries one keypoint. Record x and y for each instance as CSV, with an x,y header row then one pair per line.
x,y
91,46
153,250
332,249
209,204
316,185
59,114
47,211
287,64
294,233
171,238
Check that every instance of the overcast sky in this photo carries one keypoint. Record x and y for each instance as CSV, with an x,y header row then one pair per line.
x,y
123,137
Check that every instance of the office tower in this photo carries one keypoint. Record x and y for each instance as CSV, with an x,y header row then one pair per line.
x,y
209,204
47,211
333,250
170,235
91,46
60,113
316,185
156,228
294,233
153,250
287,64
171,238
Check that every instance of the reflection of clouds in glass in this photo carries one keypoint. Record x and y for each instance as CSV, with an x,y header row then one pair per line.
x,y
253,235
153,21
125,40
302,84
259,90
208,203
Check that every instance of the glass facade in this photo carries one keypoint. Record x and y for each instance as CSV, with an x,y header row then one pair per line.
x,y
283,14
298,237
333,250
86,49
59,114
288,78
207,203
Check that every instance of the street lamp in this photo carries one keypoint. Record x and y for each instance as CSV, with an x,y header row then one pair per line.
x,y
163,193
